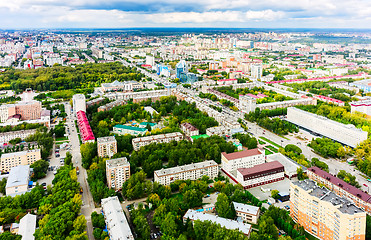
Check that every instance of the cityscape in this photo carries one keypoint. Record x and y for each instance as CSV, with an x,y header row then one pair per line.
x,y
195,120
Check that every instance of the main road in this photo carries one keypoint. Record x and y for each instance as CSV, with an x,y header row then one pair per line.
x,y
87,199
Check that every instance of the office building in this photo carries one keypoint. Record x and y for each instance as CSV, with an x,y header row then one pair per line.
x,y
247,213
161,138
86,133
194,215
14,159
27,227
341,188
107,146
117,224
18,180
117,171
324,214
343,133
244,159
124,129
191,171
181,67
290,165
79,103
189,130
28,110
260,174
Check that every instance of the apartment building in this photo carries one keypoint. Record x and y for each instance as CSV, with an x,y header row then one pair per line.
x,y
243,159
5,137
18,180
341,188
161,138
124,129
6,111
220,131
111,105
189,130
117,172
86,132
79,103
191,171
324,214
107,146
117,224
29,110
194,215
247,213
14,159
260,174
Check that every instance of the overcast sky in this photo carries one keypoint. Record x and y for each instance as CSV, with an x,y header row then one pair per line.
x,y
185,13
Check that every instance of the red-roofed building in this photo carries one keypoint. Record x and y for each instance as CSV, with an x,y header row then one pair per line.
x,y
84,127
341,188
243,159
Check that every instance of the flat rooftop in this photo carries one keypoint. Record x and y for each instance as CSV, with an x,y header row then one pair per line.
x,y
184,168
117,162
18,176
242,154
106,139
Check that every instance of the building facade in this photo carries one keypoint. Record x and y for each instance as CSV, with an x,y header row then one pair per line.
x,y
117,171
117,224
107,146
247,213
189,130
5,137
244,159
18,180
161,138
341,188
79,103
324,214
10,160
192,171
260,174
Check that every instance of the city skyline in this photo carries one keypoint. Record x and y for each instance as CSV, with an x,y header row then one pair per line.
x,y
25,14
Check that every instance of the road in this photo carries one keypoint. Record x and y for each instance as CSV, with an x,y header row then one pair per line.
x,y
87,199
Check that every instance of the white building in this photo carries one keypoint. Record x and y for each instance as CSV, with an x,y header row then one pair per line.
x,y
79,103
5,137
244,159
260,174
361,106
117,172
344,133
107,146
117,224
220,131
191,171
247,213
290,165
161,138
18,180
27,227
256,71
194,215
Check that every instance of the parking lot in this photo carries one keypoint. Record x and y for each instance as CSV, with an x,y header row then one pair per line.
x,y
282,186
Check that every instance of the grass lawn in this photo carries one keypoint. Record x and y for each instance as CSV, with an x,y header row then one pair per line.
x,y
261,142
272,148
61,142
273,143
267,152
61,139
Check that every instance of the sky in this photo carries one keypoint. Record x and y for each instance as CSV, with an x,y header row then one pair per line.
x,y
24,14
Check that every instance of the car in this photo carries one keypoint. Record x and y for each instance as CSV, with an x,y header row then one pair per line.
x,y
43,184
365,185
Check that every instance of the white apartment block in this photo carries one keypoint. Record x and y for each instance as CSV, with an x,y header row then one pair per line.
x,y
192,171
161,138
5,137
244,159
247,213
117,224
9,160
79,103
344,133
220,131
361,106
117,172
189,130
107,146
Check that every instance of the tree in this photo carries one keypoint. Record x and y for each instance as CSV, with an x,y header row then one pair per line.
x,y
88,152
68,159
301,174
275,194
224,207
2,185
97,220
40,167
59,130
192,198
169,226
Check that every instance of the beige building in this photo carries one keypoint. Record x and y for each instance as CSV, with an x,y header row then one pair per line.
x,y
191,171
188,129
18,180
324,214
247,213
107,146
117,171
9,160
5,137
29,110
244,159
161,138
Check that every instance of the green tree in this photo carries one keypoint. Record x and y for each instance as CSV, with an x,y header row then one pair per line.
x,y
169,226
68,158
275,194
40,167
224,207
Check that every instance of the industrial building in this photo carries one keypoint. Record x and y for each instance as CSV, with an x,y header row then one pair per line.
x,y
343,133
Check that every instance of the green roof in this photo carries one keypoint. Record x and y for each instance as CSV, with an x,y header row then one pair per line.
x,y
200,136
131,128
146,123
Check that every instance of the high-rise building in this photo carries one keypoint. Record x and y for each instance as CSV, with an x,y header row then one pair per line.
x,y
181,67
256,71
324,214
79,103
107,146
117,171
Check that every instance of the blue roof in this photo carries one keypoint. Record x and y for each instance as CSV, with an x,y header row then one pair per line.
x,y
131,128
146,123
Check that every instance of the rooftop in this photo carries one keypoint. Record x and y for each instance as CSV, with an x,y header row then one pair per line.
x,y
131,128
18,154
199,136
27,227
117,162
260,168
224,222
242,154
106,139
184,168
246,208
18,176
